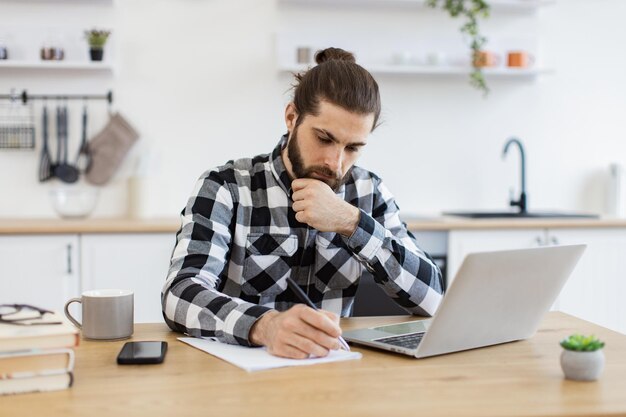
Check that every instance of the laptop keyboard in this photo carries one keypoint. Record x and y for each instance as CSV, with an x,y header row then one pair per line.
x,y
409,341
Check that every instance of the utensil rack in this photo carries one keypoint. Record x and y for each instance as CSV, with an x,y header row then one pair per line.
x,y
25,97
17,123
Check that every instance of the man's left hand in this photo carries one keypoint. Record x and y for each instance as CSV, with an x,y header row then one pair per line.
x,y
317,205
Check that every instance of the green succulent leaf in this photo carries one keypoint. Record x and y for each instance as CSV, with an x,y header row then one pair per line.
x,y
580,343
96,38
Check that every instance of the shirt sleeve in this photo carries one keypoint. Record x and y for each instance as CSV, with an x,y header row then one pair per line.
x,y
191,302
390,252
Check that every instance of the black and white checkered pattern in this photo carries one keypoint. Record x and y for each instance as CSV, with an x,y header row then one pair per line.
x,y
240,240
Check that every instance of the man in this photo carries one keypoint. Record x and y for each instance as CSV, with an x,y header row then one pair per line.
x,y
304,211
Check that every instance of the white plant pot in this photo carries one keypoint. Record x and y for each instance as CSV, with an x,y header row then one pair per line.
x,y
582,366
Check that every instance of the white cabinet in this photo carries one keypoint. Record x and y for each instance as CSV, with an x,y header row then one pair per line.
x,y
137,262
595,289
39,270
47,270
462,242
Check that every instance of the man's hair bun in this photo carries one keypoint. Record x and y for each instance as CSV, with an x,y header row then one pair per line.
x,y
339,80
338,54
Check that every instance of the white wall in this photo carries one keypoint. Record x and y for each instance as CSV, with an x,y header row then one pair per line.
x,y
199,80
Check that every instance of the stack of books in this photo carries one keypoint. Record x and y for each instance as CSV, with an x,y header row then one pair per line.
x,y
37,358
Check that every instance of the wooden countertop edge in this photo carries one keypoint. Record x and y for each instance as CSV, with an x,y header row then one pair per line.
x,y
104,225
171,225
455,223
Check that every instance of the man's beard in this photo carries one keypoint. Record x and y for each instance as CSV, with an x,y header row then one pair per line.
x,y
300,171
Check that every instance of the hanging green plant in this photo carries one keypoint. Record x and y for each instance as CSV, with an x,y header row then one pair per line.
x,y
471,10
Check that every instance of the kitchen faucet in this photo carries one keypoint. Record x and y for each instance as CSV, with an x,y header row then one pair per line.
x,y
521,203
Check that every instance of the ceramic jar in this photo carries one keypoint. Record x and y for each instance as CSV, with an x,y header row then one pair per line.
x,y
582,366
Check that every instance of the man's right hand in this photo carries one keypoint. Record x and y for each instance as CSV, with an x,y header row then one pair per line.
x,y
298,332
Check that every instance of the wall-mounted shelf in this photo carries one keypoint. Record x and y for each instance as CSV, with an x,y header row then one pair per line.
x,y
86,2
412,53
61,65
507,5
515,73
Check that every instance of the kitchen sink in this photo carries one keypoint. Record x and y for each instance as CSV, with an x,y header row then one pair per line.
x,y
517,215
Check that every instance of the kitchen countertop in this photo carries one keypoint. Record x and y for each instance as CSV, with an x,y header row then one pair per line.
x,y
103,225
445,223
170,225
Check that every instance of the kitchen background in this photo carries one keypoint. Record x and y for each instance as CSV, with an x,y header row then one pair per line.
x,y
203,81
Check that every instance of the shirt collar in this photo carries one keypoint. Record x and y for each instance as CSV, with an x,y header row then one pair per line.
x,y
278,166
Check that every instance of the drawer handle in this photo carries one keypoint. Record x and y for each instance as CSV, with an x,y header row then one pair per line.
x,y
69,259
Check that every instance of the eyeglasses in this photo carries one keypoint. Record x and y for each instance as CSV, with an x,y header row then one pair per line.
x,y
24,315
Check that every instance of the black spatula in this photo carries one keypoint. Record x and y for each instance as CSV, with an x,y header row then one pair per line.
x,y
45,165
84,156
64,171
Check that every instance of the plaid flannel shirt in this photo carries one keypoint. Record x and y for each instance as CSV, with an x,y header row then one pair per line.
x,y
239,240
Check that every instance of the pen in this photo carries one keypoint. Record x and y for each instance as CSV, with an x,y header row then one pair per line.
x,y
306,300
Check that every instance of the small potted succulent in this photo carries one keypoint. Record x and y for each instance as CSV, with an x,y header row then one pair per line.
x,y
582,358
97,38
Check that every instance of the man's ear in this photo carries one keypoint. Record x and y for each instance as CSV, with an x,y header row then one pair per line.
x,y
291,116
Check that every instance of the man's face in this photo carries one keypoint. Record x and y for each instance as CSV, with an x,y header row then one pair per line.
x,y
326,146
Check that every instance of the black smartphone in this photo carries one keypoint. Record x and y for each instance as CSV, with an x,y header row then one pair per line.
x,y
142,352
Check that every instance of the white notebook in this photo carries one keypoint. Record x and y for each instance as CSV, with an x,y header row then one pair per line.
x,y
257,359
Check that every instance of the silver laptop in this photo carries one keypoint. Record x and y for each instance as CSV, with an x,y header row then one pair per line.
x,y
496,297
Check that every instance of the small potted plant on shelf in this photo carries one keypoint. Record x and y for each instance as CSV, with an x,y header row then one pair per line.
x,y
97,38
582,358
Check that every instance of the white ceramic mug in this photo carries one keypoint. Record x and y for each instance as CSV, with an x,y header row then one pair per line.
x,y
107,314
436,58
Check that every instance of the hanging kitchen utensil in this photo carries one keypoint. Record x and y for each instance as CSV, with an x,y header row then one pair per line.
x,y
64,171
53,166
59,132
45,164
84,156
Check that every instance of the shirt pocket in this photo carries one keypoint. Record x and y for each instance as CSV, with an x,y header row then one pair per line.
x,y
335,267
267,263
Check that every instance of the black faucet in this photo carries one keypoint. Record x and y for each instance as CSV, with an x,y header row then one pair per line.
x,y
521,203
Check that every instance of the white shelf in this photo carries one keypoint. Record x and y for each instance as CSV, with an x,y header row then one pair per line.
x,y
438,71
86,2
510,5
53,65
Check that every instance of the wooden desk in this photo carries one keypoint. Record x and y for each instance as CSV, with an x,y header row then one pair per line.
x,y
520,379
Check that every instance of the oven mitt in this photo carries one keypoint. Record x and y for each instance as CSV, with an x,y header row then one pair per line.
x,y
108,149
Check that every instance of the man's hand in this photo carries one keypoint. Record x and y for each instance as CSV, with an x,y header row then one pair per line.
x,y
317,205
297,333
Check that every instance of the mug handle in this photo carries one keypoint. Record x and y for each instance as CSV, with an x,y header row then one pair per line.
x,y
67,312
